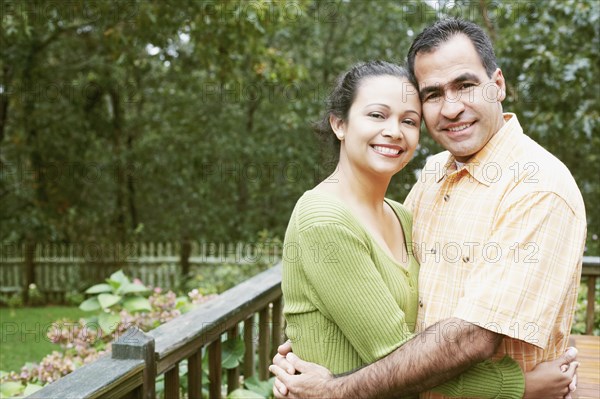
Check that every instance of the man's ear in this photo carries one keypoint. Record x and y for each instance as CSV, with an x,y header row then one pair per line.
x,y
338,126
498,79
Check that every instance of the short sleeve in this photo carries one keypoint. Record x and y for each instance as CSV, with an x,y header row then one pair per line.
x,y
524,274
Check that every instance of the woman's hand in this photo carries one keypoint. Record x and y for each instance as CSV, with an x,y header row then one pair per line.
x,y
553,380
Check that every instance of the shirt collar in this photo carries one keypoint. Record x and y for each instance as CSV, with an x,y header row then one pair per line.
x,y
493,153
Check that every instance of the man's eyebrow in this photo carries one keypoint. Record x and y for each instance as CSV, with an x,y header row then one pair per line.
x,y
467,76
436,88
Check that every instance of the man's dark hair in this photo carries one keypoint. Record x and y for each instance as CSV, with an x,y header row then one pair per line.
x,y
445,29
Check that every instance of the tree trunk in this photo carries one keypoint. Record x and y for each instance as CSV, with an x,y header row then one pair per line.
x,y
120,176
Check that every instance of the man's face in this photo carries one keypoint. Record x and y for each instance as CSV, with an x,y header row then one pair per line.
x,y
461,104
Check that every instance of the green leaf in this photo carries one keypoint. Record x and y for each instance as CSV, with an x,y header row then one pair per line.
x,y
90,304
108,322
244,394
232,353
98,289
107,300
137,304
31,388
130,288
185,307
263,388
10,388
118,278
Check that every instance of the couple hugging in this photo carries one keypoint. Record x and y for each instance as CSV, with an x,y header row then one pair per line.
x,y
468,288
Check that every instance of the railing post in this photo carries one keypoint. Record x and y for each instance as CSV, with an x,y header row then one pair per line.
x,y
214,369
195,375
249,344
591,301
135,344
233,375
264,333
277,321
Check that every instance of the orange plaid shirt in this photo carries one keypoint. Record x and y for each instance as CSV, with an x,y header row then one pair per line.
x,y
500,242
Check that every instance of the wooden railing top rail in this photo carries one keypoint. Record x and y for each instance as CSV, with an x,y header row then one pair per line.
x,y
106,377
177,339
126,368
591,266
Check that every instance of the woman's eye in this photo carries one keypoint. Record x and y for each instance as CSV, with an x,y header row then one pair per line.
x,y
410,122
376,115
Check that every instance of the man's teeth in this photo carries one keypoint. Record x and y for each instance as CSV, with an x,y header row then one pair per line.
x,y
459,128
386,150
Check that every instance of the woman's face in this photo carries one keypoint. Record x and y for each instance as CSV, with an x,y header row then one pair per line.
x,y
381,132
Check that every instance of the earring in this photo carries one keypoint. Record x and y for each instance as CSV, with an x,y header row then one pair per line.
x,y
340,137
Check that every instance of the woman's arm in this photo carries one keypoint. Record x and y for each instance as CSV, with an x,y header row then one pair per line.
x,y
353,294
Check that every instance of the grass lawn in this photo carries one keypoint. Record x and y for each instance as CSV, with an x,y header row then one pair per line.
x,y
23,333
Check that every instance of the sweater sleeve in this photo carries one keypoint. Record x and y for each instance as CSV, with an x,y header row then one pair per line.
x,y
350,291
503,379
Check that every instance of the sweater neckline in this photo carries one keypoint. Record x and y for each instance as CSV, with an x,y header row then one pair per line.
x,y
332,197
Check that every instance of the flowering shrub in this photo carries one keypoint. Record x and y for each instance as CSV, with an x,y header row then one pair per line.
x,y
84,341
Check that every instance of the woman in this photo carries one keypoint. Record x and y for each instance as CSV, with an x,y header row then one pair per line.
x,y
349,281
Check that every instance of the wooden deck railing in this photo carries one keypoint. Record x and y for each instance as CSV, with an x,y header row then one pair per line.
x,y
137,358
590,270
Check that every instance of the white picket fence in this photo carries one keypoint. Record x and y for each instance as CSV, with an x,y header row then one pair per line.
x,y
60,268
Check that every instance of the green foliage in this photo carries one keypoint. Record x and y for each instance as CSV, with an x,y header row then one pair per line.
x,y
232,353
262,388
10,389
14,300
215,279
118,293
244,394
579,320
82,342
158,120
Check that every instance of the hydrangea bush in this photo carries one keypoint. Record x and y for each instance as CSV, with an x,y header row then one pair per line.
x,y
84,341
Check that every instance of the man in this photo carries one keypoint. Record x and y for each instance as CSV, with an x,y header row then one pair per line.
x,y
499,228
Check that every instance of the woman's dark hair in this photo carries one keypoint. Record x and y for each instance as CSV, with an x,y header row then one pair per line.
x,y
445,29
344,92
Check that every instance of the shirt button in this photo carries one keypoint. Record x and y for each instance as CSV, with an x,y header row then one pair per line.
x,y
446,197
420,303
466,259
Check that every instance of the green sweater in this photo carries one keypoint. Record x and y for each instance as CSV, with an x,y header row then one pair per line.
x,y
348,304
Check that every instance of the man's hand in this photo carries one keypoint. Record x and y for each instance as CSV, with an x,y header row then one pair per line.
x,y
314,381
281,361
555,379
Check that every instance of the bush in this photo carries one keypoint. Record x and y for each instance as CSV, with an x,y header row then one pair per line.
x,y
84,341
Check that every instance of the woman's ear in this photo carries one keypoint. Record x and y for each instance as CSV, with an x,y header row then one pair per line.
x,y
338,126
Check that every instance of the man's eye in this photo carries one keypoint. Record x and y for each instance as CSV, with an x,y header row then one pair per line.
x,y
467,85
431,97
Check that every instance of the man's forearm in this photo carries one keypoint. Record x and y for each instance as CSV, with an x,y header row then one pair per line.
x,y
441,352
